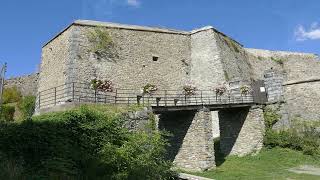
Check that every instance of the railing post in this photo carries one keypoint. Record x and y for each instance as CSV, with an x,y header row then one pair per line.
x,y
55,96
73,95
138,99
95,96
201,97
115,97
165,98
158,100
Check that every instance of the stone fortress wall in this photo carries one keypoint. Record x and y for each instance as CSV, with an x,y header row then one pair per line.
x,y
204,58
27,85
298,92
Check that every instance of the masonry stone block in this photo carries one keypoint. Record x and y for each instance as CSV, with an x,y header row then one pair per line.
x,y
241,130
27,85
192,146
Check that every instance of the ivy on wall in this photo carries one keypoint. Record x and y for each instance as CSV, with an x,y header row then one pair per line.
x,y
231,44
278,60
101,44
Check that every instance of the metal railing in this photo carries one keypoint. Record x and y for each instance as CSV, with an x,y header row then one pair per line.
x,y
83,93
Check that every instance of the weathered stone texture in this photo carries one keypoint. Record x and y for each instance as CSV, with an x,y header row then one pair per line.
x,y
303,100
55,57
233,58
273,83
138,120
301,67
27,85
280,108
300,82
192,145
295,66
206,67
215,124
261,62
133,65
241,130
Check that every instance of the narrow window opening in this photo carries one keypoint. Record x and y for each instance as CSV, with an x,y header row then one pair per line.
x,y
155,58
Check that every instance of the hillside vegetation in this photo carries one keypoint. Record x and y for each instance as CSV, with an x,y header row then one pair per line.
x,y
16,107
85,143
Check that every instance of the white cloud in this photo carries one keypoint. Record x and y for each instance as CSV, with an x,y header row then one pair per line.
x,y
313,33
105,8
134,3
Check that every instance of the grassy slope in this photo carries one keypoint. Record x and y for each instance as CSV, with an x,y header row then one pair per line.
x,y
268,164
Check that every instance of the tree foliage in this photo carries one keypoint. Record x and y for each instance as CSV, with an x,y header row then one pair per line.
x,y
83,144
27,106
11,95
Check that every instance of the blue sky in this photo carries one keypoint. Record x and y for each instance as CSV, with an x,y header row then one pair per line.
x,y
290,25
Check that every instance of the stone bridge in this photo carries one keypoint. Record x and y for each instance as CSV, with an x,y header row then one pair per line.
x,y
192,119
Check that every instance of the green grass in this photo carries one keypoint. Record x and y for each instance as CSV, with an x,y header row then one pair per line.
x,y
268,164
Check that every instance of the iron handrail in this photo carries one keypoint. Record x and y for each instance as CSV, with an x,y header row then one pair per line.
x,y
82,92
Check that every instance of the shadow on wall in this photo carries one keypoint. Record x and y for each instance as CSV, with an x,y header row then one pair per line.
x,y
230,124
177,124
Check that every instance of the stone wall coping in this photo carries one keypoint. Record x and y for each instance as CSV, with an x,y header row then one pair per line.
x,y
271,53
137,28
288,83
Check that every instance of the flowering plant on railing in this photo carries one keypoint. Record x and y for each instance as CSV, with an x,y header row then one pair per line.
x,y
220,90
189,90
95,84
245,90
105,86
149,89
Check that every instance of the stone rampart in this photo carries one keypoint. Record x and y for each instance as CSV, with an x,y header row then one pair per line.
x,y
27,85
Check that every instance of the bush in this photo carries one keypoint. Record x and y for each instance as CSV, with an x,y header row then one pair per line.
x,y
7,113
84,144
307,141
11,95
27,106
10,168
270,117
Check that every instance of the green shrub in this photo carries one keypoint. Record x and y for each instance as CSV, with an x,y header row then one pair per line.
x,y
307,141
11,95
7,113
84,144
270,117
278,60
27,106
11,168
